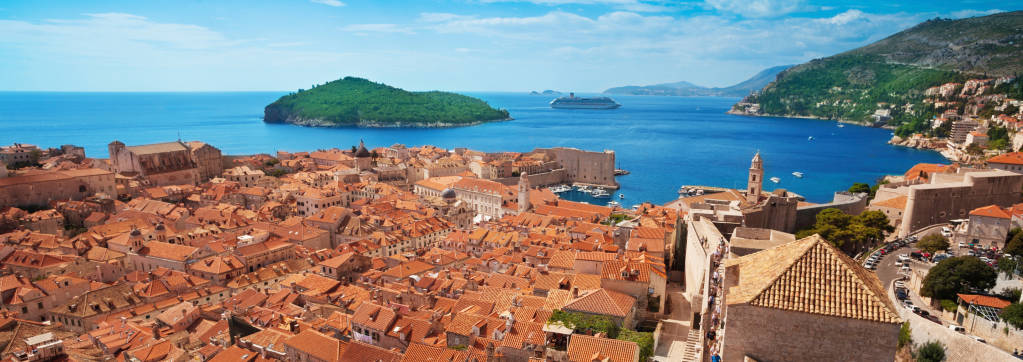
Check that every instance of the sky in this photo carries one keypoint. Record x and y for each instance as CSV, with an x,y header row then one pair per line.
x,y
457,45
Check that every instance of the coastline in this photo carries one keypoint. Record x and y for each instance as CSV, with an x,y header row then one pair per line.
x,y
843,121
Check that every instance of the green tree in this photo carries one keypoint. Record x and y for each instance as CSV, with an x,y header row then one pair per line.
x,y
1013,314
933,242
1010,294
932,351
847,232
905,337
859,187
645,341
1006,266
1015,245
958,275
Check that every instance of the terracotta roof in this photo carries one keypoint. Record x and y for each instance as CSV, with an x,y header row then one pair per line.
x,y
991,211
984,300
1012,158
157,148
897,202
317,344
811,276
589,348
603,301
373,316
923,170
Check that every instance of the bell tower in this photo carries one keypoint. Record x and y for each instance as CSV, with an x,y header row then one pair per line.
x,y
755,183
524,193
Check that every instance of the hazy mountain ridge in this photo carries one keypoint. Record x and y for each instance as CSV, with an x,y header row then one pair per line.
x,y
684,88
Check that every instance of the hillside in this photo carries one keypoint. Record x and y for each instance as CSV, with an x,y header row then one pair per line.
x,y
359,102
684,88
892,74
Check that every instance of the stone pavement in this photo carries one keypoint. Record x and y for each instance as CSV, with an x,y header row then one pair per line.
x,y
675,329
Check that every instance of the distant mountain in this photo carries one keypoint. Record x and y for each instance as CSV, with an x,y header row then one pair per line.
x,y
359,102
546,92
893,73
684,88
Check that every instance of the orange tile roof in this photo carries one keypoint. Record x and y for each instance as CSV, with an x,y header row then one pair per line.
x,y
984,300
317,344
991,211
898,202
582,347
778,278
923,170
1012,158
603,301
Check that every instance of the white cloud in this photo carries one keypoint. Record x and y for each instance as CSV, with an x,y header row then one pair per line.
x,y
969,13
377,28
631,5
757,8
334,3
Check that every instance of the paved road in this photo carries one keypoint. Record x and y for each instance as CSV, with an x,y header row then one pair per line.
x,y
675,329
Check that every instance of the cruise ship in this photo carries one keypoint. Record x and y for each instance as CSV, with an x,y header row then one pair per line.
x,y
573,102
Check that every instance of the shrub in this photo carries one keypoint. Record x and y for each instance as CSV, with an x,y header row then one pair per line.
x,y
645,340
932,351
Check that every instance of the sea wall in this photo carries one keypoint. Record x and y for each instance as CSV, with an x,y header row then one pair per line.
x,y
849,203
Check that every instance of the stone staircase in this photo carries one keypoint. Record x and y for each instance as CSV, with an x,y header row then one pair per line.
x,y
692,349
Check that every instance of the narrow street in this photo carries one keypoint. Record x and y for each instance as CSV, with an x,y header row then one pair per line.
x,y
675,329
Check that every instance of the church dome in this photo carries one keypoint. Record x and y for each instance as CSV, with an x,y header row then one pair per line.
x,y
448,194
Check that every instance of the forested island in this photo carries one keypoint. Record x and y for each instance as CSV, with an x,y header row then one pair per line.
x,y
357,102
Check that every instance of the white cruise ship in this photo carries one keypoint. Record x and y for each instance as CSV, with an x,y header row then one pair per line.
x,y
573,102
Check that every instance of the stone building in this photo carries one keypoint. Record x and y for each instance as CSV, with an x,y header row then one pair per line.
x,y
42,187
953,196
988,227
771,314
484,196
775,210
207,158
161,164
595,168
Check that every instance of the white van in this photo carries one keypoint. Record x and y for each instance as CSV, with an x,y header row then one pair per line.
x,y
957,328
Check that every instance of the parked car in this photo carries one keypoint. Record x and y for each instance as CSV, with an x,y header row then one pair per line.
x,y
962,245
957,328
903,257
978,339
916,254
939,257
908,304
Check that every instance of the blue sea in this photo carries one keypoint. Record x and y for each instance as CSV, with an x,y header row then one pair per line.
x,y
664,141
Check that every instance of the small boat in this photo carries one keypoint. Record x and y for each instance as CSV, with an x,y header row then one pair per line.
x,y
583,189
775,179
621,196
600,193
841,125
809,138
614,204
797,174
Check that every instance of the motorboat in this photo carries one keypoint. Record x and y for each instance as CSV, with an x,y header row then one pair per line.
x,y
775,179
621,196
809,138
797,174
600,193
614,204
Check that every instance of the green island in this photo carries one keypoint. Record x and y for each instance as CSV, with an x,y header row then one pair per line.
x,y
892,75
357,102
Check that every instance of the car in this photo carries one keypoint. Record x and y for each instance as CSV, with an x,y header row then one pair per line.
x,y
986,259
962,245
916,254
908,304
905,269
957,328
939,257
978,339
903,257
945,229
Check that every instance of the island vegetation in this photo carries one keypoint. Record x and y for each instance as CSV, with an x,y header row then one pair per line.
x,y
359,102
892,75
